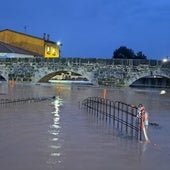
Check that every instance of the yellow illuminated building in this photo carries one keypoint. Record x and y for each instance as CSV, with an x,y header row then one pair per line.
x,y
41,46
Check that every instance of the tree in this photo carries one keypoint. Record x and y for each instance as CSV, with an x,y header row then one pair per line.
x,y
140,55
124,53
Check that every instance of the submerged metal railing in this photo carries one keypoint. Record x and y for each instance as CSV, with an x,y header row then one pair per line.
x,y
4,102
123,116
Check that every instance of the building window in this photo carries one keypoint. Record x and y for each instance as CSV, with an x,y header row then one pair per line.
x,y
54,51
48,49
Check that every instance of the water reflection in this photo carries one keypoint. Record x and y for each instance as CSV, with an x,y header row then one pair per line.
x,y
55,129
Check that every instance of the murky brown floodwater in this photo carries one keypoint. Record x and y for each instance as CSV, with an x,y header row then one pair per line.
x,y
58,134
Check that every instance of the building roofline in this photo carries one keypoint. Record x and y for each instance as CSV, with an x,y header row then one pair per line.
x,y
28,35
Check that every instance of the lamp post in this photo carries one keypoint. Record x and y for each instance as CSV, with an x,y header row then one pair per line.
x,y
164,62
166,59
59,44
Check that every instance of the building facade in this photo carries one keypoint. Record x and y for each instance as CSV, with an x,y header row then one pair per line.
x,y
41,46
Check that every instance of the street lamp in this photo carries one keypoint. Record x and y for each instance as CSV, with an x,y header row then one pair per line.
x,y
165,59
59,44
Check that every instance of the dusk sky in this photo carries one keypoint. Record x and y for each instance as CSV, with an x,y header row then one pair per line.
x,y
94,28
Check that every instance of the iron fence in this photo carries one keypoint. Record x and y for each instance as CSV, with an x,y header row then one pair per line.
x,y
6,102
123,116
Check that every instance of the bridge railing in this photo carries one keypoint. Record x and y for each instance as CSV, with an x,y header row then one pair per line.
x,y
121,115
126,62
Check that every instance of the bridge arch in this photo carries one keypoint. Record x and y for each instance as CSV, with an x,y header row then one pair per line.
x,y
158,74
46,75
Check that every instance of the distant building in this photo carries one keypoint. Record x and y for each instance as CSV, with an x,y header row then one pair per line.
x,y
9,51
36,46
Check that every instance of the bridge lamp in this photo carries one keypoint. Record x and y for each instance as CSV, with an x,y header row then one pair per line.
x,y
165,60
59,44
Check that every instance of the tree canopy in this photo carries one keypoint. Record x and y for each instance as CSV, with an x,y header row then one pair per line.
x,y
126,53
140,55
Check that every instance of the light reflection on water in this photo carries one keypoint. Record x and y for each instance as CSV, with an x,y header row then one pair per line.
x,y
55,145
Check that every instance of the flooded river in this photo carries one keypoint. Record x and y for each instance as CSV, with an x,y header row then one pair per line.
x,y
59,134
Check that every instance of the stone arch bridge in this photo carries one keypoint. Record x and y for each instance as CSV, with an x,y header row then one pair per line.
x,y
103,71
